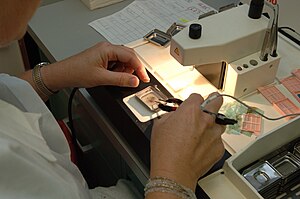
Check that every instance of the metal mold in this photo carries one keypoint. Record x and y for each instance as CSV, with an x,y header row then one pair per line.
x,y
262,175
286,165
158,37
175,28
297,150
150,97
277,174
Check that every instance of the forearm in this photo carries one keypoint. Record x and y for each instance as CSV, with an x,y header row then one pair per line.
x,y
89,68
54,77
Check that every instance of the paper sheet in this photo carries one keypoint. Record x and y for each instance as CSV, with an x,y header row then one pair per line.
x,y
142,16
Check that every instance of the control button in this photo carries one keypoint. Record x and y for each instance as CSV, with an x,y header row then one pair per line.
x,y
245,66
253,62
239,68
195,31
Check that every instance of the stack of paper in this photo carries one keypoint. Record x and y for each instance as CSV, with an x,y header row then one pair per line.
x,y
93,4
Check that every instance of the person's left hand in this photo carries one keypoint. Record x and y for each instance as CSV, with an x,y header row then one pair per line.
x,y
102,64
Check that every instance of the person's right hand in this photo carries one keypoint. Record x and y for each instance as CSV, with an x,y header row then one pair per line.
x,y
91,68
186,143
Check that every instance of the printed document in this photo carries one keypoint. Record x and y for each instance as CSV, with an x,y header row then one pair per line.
x,y
141,16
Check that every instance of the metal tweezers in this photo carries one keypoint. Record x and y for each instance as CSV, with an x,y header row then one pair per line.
x,y
172,104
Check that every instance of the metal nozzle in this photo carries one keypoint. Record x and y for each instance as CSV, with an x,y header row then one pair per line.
x,y
270,41
274,32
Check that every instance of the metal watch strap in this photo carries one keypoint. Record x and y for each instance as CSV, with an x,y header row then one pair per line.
x,y
38,81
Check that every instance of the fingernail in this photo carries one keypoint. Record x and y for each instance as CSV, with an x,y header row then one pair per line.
x,y
133,82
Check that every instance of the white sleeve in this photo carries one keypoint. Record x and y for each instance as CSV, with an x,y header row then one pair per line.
x,y
27,175
20,94
33,163
28,167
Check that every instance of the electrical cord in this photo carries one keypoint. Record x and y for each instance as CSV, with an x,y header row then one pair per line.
x,y
208,100
283,31
70,117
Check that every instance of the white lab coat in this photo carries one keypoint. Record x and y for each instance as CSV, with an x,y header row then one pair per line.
x,y
34,154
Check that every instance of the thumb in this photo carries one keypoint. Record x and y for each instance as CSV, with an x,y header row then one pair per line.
x,y
120,79
214,102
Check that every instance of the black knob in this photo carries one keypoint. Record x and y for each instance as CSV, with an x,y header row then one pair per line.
x,y
195,31
256,9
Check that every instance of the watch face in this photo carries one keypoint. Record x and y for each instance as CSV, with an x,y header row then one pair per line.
x,y
43,64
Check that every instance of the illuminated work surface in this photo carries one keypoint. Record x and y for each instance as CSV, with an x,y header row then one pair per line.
x,y
181,81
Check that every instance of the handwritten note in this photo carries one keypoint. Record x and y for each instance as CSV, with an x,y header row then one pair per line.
x,y
142,16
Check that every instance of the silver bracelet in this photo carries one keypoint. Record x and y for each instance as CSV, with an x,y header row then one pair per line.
x,y
166,185
38,81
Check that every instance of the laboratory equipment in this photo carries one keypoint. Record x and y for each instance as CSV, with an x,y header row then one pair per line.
x,y
232,41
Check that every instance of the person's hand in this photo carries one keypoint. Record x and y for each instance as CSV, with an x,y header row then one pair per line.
x,y
102,64
186,143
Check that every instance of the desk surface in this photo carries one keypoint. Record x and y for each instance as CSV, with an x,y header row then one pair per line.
x,y
61,29
58,25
